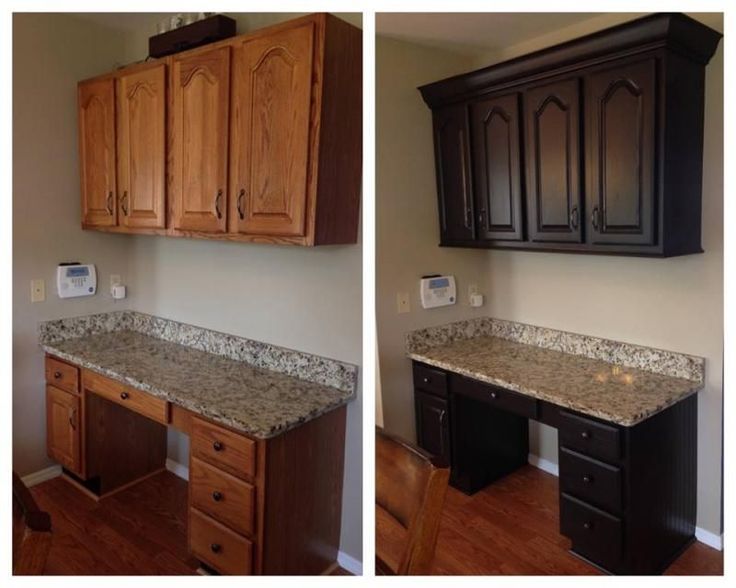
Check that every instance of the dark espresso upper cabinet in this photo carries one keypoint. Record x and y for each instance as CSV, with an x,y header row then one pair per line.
x,y
591,146
495,158
552,121
452,154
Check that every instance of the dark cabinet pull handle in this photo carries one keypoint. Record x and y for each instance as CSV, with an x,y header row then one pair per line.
x,y
585,435
442,417
494,395
216,496
57,375
218,199
241,213
574,217
73,419
108,203
217,446
123,203
468,217
215,547
595,218
481,217
587,525
587,479
124,395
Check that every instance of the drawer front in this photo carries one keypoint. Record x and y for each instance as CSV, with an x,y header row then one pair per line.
x,y
149,406
218,546
505,400
430,380
234,453
594,533
222,496
62,375
591,480
589,437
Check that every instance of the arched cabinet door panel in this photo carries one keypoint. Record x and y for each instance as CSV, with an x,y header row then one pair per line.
x,y
452,167
141,138
272,98
551,117
96,112
497,174
620,154
200,103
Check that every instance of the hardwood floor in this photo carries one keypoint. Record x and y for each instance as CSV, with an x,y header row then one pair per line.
x,y
138,531
512,527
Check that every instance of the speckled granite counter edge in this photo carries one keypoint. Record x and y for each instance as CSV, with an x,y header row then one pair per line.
x,y
195,407
516,387
658,361
305,366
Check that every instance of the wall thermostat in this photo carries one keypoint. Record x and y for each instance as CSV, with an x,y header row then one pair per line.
x,y
76,279
438,291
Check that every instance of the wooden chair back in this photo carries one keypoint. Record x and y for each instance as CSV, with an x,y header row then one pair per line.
x,y
31,531
410,490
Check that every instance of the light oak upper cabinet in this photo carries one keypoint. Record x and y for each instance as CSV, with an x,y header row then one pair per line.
x,y
200,103
96,103
141,139
271,100
63,424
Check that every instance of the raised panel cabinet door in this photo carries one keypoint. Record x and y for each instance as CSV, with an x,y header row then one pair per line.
x,y
497,181
272,96
63,433
141,138
552,122
620,154
452,167
96,112
433,434
200,85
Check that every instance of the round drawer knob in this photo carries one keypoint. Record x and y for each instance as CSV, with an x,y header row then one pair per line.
x,y
585,435
425,380
215,547
124,395
57,375
494,395
587,525
217,446
216,496
587,479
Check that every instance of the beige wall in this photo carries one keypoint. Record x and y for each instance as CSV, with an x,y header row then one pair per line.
x,y
50,54
306,299
674,304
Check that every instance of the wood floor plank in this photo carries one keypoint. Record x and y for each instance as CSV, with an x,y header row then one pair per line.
x,y
511,527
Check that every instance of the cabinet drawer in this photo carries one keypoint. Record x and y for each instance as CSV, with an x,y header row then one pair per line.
x,y
62,375
595,534
234,453
222,496
505,400
218,546
592,480
589,436
430,380
148,405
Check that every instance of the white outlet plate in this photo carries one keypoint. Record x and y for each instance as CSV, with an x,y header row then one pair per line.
x,y
38,290
402,302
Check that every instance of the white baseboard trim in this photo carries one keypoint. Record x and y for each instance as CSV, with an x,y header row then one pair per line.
x,y
177,469
709,539
42,475
349,563
544,464
705,537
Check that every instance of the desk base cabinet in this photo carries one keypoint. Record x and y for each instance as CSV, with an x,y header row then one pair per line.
x,y
627,494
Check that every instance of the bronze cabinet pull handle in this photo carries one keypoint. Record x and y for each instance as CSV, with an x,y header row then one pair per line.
x,y
218,199
574,217
108,203
241,213
123,203
73,419
595,218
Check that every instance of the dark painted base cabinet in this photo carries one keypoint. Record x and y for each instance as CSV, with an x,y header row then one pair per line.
x,y
627,494
592,146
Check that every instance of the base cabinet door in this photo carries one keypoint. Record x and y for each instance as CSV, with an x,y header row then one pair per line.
x,y
433,434
141,137
620,165
63,428
272,95
97,152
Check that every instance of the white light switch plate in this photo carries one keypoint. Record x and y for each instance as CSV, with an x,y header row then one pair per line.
x,y
38,290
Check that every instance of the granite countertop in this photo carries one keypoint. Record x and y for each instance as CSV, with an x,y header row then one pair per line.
x,y
613,392
258,401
